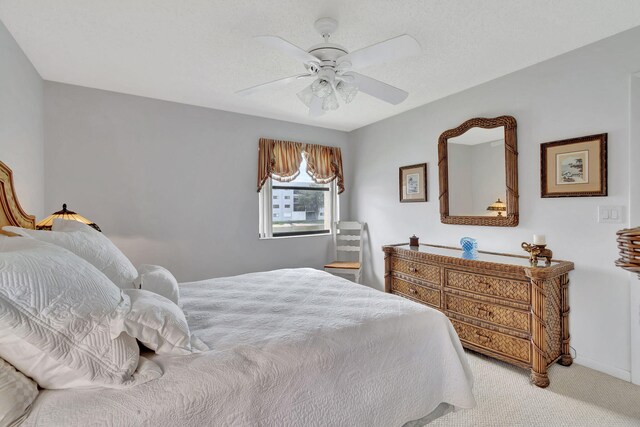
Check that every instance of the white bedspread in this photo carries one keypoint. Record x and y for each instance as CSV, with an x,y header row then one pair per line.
x,y
294,347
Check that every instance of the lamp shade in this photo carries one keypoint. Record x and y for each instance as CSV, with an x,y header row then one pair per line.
x,y
346,90
46,223
497,206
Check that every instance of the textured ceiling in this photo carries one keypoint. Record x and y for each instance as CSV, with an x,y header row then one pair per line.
x,y
200,51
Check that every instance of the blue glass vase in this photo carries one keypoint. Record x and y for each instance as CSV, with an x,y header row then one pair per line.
x,y
469,248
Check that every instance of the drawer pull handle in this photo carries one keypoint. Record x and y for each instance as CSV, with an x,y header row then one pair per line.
x,y
413,291
485,285
413,269
484,311
483,337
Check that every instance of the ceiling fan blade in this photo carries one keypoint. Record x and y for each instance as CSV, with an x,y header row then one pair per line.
x,y
379,53
286,47
273,84
378,89
315,109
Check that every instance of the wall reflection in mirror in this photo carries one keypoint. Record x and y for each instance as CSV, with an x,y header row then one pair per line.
x,y
477,173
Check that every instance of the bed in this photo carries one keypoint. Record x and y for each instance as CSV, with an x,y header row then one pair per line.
x,y
287,347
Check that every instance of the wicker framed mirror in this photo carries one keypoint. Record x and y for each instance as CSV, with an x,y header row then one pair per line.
x,y
478,165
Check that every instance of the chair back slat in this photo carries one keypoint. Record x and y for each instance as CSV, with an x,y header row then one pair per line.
x,y
349,225
348,237
348,248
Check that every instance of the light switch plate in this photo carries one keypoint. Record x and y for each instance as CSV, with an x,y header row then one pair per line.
x,y
610,214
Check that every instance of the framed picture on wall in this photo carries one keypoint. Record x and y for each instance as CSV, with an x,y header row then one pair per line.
x,y
413,183
574,167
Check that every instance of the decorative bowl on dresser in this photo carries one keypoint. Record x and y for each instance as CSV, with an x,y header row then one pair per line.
x,y
499,304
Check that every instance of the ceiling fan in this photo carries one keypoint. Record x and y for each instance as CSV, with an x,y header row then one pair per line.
x,y
332,68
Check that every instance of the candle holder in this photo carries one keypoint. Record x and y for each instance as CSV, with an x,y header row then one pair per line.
x,y
413,241
536,252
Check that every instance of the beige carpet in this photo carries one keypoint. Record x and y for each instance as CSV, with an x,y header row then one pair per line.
x,y
577,396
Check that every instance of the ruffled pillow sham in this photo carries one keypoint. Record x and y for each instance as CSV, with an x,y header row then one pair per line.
x,y
90,245
55,315
158,280
158,323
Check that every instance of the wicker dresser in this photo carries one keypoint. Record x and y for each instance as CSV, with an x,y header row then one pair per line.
x,y
498,304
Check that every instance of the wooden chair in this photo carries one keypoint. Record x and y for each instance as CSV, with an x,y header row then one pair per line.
x,y
346,232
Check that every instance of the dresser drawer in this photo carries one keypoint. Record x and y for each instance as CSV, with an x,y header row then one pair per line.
x,y
514,348
493,313
421,293
418,270
492,286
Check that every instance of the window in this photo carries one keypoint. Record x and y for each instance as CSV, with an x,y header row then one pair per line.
x,y
314,207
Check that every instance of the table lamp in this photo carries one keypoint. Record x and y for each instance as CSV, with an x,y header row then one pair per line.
x,y
497,206
46,223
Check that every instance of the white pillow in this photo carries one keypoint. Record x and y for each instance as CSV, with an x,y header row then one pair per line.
x,y
17,393
55,315
89,244
158,280
157,323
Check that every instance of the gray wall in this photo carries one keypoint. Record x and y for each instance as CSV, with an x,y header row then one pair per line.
x,y
172,184
476,177
21,123
488,176
460,179
634,221
579,93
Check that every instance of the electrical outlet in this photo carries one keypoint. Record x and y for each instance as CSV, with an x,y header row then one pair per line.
x,y
610,214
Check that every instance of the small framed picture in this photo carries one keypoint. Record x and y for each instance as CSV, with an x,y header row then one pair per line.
x,y
574,167
413,183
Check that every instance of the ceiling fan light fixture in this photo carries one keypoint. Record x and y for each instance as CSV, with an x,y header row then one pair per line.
x,y
332,69
306,95
347,91
321,88
330,102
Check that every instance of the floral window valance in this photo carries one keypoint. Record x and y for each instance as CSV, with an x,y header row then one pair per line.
x,y
280,160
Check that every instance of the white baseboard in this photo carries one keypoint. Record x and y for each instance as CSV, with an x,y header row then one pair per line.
x,y
609,370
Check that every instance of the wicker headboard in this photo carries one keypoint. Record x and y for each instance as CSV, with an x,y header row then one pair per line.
x,y
11,212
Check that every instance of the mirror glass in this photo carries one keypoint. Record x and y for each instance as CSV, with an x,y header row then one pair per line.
x,y
476,175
